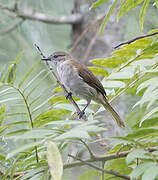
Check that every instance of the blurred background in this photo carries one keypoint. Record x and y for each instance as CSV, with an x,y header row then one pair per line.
x,y
25,22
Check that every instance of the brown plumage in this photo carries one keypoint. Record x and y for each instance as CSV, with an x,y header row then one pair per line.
x,y
79,80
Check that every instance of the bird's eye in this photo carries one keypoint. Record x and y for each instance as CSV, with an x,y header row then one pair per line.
x,y
55,56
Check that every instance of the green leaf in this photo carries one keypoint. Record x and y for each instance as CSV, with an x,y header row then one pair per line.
x,y
137,153
98,71
125,52
81,131
142,13
32,173
89,175
127,6
22,148
139,44
33,80
151,173
61,99
11,73
156,3
98,3
9,99
12,70
151,50
106,19
73,134
140,169
153,30
120,165
54,161
121,75
28,73
110,62
57,89
52,115
142,133
35,133
113,84
2,113
150,122
151,113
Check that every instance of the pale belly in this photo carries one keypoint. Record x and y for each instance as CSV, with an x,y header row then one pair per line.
x,y
74,83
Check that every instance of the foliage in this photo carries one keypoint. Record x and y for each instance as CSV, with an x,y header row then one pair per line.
x,y
43,121
124,7
37,124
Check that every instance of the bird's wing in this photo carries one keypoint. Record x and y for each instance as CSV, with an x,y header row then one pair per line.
x,y
87,75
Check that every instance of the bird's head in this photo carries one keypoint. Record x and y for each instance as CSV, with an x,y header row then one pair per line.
x,y
57,57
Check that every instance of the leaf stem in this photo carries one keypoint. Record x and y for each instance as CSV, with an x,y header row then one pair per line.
x,y
29,113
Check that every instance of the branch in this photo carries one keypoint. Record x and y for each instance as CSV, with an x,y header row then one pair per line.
x,y
37,16
99,158
13,27
101,169
138,37
85,32
104,158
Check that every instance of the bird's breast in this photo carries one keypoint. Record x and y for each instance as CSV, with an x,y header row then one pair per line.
x,y
73,82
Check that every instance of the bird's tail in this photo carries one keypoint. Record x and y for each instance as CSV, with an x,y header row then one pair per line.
x,y
114,114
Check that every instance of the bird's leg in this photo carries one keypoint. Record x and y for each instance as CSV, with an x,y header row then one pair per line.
x,y
81,113
69,94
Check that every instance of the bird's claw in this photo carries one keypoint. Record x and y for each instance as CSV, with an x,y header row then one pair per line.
x,y
80,114
69,94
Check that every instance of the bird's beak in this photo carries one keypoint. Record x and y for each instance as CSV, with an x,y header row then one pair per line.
x,y
46,59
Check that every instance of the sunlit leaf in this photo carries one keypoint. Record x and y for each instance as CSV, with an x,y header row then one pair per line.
x,y
61,99
125,52
98,71
54,161
110,62
139,44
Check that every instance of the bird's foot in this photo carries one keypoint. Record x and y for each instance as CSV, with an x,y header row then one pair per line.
x,y
80,114
69,94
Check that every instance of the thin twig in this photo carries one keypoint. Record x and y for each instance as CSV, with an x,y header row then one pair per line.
x,y
90,46
13,27
101,169
89,150
84,33
99,159
59,82
138,37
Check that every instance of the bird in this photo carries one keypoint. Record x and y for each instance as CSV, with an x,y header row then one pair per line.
x,y
81,82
